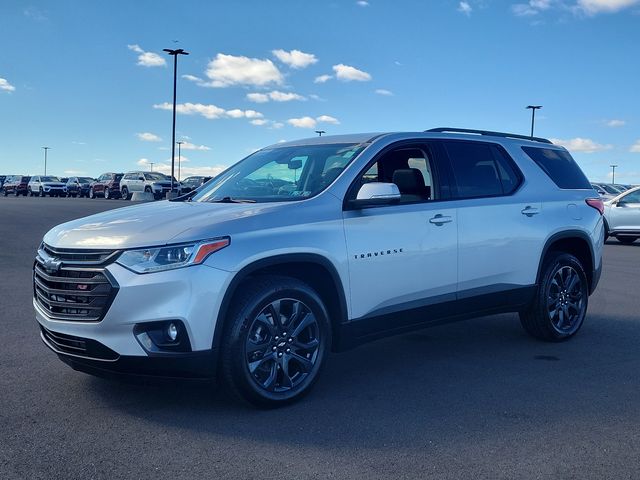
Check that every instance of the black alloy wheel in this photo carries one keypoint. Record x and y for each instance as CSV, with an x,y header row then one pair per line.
x,y
560,303
276,340
281,347
125,193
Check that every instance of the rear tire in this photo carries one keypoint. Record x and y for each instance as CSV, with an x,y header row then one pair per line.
x,y
560,304
275,343
92,194
627,240
125,193
40,192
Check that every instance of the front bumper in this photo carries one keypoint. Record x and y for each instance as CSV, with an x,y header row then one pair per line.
x,y
196,365
191,295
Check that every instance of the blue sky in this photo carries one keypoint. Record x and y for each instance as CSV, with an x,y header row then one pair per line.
x,y
90,80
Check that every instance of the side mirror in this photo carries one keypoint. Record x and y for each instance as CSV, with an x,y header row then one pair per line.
x,y
141,178
376,193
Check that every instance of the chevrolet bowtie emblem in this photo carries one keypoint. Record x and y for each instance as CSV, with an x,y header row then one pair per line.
x,y
52,265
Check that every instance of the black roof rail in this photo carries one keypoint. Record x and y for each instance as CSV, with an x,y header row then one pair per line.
x,y
489,133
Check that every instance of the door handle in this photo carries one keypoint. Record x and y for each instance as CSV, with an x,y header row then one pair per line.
x,y
530,211
440,220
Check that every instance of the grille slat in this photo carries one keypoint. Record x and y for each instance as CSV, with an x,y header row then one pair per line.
x,y
77,346
68,289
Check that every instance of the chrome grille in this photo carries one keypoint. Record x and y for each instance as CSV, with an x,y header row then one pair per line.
x,y
66,287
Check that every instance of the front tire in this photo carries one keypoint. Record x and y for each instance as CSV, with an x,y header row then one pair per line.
x,y
92,194
125,193
276,341
107,193
560,304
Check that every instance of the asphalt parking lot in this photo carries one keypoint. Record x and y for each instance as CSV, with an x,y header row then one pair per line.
x,y
476,399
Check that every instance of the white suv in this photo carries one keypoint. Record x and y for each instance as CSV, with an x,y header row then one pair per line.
x,y
319,245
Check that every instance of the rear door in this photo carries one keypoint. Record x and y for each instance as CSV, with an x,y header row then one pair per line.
x,y
401,256
497,223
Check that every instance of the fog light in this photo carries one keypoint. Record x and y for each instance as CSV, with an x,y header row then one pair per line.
x,y
172,332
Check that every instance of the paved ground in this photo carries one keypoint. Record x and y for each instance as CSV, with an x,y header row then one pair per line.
x,y
477,399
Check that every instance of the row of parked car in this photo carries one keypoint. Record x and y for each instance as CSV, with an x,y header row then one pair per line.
x,y
107,185
610,190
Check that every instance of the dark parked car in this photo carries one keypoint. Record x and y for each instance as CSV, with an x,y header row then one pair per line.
x,y
78,186
191,183
16,184
107,185
2,179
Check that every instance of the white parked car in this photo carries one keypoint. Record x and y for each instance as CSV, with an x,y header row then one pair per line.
x,y
318,245
41,185
622,216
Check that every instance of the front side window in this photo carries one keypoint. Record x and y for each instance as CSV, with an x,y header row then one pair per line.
x,y
410,168
633,197
281,174
481,170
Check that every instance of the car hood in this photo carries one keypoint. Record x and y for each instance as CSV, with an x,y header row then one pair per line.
x,y
150,224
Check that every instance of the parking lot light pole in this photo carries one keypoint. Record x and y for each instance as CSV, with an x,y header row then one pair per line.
x,y
533,115
179,159
151,163
613,173
45,158
175,54
320,132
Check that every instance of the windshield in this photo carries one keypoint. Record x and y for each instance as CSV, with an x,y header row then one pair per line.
x,y
49,179
85,180
281,174
610,189
155,176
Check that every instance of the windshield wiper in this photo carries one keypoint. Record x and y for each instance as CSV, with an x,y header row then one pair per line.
x,y
233,200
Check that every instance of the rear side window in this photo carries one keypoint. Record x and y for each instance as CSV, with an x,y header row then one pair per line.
x,y
559,166
481,170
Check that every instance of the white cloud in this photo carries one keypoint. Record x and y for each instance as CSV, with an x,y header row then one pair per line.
x,y
295,58
303,122
192,78
362,3
228,70
147,59
328,119
382,91
148,137
35,14
347,73
191,146
310,122
531,8
258,97
584,145
593,7
465,8
322,78
74,172
6,86
212,112
635,148
276,125
615,123
259,122
275,95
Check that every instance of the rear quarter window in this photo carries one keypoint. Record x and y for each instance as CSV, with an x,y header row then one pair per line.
x,y
559,167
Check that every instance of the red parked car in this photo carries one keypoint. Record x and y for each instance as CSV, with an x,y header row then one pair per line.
x,y
107,185
16,184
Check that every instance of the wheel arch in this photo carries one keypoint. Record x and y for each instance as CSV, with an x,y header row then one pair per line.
x,y
578,244
314,269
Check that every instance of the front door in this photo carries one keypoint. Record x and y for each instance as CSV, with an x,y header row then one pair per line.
x,y
402,256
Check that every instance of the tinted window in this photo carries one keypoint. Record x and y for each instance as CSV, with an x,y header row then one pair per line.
x,y
633,197
481,170
559,166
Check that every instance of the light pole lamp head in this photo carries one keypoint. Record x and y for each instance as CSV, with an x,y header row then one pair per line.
x,y
320,132
178,51
533,107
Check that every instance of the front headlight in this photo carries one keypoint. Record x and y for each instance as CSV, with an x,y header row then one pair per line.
x,y
156,259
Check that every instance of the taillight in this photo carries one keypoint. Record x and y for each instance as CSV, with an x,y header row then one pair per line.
x,y
596,203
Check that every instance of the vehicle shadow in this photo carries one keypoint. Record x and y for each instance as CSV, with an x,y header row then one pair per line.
x,y
456,381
